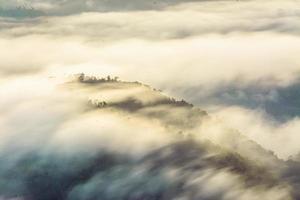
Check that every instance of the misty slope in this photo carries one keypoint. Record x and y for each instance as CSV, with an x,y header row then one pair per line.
x,y
126,140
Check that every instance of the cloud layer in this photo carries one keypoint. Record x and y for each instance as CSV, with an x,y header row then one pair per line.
x,y
149,152
237,59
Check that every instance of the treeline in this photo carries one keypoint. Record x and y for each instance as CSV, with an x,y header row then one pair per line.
x,y
132,104
94,79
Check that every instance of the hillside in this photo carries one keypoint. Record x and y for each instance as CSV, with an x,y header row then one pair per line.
x,y
126,140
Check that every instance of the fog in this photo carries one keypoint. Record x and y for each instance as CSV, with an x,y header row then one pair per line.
x,y
63,137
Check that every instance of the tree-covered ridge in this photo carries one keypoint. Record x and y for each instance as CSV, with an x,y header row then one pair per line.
x,y
130,103
131,142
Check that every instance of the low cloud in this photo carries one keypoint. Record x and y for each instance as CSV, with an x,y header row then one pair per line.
x,y
238,59
126,152
176,22
205,61
259,127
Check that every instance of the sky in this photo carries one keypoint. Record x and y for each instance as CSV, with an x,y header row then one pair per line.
x,y
238,60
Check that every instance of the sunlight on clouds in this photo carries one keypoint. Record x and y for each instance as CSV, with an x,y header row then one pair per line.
x,y
259,127
141,143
